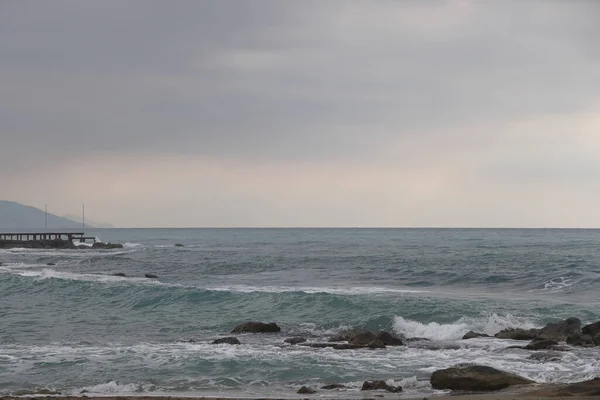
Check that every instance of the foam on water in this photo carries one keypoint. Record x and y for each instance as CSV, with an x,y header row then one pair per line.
x,y
357,290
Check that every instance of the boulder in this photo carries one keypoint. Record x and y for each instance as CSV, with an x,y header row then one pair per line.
x,y
178,245
542,344
517,334
591,329
295,340
470,377
376,344
227,340
388,339
362,338
333,386
559,331
121,274
580,340
380,385
256,327
473,335
306,390
150,276
596,339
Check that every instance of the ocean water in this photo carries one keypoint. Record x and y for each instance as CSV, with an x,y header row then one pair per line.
x,y
73,327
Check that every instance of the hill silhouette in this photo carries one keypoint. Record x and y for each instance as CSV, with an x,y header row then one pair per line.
x,y
18,217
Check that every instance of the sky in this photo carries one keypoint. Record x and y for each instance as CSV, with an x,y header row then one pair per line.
x,y
303,113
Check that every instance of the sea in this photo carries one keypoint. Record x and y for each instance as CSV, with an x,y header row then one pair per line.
x,y
68,325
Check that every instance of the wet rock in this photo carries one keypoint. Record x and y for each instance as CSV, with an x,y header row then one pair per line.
x,y
335,346
591,329
380,385
542,344
473,335
121,274
106,246
517,334
151,276
227,340
388,339
256,327
579,390
470,377
560,331
50,264
596,339
362,338
333,386
376,344
178,245
580,340
295,340
306,390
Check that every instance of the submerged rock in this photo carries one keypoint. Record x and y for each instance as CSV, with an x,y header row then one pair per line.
x,y
121,274
257,327
178,245
306,390
362,338
150,276
333,386
473,335
517,334
470,377
106,246
542,344
380,385
544,357
50,264
227,340
295,340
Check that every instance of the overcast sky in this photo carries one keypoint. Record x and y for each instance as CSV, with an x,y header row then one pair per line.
x,y
303,113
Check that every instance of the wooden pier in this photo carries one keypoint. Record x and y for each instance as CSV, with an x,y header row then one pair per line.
x,y
37,236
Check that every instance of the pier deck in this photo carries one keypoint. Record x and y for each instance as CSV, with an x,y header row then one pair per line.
x,y
35,236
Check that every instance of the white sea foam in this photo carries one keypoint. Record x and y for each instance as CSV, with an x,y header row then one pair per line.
x,y
357,290
490,324
48,273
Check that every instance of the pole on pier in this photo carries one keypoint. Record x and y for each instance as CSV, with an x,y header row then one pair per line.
x,y
83,215
45,216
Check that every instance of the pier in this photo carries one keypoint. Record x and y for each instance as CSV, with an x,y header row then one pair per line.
x,y
34,236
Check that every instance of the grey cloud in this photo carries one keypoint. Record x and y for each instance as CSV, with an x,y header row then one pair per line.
x,y
271,80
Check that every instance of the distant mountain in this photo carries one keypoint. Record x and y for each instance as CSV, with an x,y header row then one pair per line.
x,y
18,217
88,222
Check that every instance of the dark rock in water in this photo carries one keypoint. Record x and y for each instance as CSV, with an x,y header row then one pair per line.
x,y
544,357
178,245
122,274
376,344
388,339
517,334
151,276
580,340
106,246
50,263
362,338
295,340
591,329
596,339
333,386
559,331
345,336
542,344
473,335
470,377
227,340
380,385
335,346
431,345
306,390
256,327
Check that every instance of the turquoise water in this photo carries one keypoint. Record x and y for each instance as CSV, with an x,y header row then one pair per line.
x,y
73,326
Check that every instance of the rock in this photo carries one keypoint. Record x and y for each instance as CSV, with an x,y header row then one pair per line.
x,y
544,357
376,344
591,329
473,335
227,340
121,274
470,377
540,344
106,246
596,339
345,336
178,245
151,276
256,327
335,346
333,386
559,331
388,339
51,264
380,385
575,390
306,390
580,340
362,338
517,334
295,340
